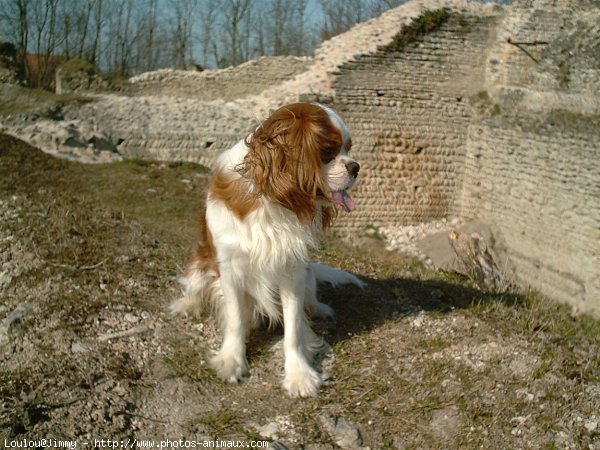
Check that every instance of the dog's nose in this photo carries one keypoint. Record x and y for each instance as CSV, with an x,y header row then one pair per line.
x,y
353,167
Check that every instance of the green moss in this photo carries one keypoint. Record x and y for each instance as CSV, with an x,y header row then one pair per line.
x,y
564,74
463,24
429,21
21,100
577,120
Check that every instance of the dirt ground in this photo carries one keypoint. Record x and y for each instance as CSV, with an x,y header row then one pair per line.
x,y
89,258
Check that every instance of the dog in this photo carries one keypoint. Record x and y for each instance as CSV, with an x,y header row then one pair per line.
x,y
268,198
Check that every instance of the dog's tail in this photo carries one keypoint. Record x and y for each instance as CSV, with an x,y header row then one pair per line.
x,y
201,289
335,277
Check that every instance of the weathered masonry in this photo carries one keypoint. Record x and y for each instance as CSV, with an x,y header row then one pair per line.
x,y
491,115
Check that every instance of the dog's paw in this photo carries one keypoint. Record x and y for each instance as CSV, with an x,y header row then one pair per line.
x,y
303,383
229,367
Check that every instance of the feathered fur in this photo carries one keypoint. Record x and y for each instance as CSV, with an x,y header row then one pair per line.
x,y
268,198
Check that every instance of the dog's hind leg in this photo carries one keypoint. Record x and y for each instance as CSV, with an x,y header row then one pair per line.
x,y
313,306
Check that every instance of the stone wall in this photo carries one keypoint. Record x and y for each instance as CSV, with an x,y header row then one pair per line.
x,y
409,111
493,117
533,166
186,115
231,83
168,128
539,185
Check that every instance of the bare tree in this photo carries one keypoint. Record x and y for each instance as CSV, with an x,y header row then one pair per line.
x,y
280,14
341,15
181,31
208,15
92,54
127,36
122,39
282,28
150,39
235,12
298,43
14,24
37,32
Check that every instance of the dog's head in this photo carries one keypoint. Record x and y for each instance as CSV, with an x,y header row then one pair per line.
x,y
298,158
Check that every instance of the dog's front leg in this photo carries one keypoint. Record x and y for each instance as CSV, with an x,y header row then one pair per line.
x,y
301,380
230,361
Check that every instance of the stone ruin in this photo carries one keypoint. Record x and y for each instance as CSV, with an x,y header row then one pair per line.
x,y
78,75
495,117
458,110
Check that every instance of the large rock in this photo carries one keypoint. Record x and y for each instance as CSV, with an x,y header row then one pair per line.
x,y
78,75
488,262
73,140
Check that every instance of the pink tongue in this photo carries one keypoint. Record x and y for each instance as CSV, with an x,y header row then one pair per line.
x,y
342,198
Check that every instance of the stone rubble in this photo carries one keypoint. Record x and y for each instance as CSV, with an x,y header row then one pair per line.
x,y
74,140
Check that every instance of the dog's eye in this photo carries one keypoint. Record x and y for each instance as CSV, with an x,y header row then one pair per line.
x,y
327,154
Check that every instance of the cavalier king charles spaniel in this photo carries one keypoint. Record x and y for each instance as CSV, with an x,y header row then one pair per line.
x,y
268,197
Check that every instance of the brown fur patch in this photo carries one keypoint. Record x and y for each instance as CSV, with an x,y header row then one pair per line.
x,y
285,157
205,257
235,193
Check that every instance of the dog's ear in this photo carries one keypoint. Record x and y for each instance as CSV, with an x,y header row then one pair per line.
x,y
284,158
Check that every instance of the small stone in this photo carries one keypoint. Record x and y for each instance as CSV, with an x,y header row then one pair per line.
x,y
12,323
418,321
5,278
342,432
276,445
120,390
80,347
28,256
131,318
591,425
445,423
269,430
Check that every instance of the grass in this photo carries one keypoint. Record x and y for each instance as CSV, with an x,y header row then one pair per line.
x,y
185,363
18,100
481,354
221,422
